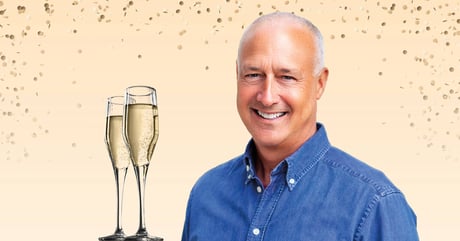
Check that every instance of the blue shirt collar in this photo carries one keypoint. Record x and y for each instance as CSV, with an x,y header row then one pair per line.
x,y
296,165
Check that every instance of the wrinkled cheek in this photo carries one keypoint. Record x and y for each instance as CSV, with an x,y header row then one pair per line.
x,y
243,109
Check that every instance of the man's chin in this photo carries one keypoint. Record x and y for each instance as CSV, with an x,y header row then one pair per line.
x,y
267,141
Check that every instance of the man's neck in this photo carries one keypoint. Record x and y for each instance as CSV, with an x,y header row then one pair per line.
x,y
268,157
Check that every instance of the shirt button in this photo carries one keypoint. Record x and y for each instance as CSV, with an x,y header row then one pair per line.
x,y
259,189
256,231
291,181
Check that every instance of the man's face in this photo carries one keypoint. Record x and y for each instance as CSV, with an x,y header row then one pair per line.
x,y
277,91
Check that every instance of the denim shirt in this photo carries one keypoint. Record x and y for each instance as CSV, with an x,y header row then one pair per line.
x,y
318,193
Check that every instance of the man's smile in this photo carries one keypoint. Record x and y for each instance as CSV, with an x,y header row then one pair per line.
x,y
269,116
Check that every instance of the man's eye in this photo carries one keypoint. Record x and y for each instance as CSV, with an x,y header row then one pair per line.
x,y
287,77
252,76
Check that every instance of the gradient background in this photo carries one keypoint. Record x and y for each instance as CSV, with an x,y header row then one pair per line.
x,y
392,100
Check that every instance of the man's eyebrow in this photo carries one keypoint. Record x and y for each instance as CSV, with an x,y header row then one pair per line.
x,y
250,68
282,70
286,70
289,71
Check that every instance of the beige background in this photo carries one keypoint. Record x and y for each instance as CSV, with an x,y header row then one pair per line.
x,y
392,100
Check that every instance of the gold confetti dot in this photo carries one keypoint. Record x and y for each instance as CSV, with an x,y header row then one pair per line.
x,y
21,9
451,69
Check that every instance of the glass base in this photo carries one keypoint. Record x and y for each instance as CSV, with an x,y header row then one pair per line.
x,y
113,237
143,237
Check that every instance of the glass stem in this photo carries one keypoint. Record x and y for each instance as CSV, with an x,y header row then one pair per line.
x,y
120,177
141,175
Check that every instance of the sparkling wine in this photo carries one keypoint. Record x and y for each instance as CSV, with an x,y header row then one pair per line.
x,y
118,151
141,131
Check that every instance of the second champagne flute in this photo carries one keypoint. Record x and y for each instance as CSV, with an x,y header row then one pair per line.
x,y
119,155
140,132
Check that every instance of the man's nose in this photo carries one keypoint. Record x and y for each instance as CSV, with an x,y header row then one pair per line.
x,y
268,93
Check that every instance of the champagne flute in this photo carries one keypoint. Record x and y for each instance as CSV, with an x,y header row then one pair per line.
x,y
119,155
140,132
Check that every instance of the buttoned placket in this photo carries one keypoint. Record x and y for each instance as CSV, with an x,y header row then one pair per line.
x,y
267,204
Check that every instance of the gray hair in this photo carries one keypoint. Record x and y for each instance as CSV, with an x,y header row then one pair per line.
x,y
317,36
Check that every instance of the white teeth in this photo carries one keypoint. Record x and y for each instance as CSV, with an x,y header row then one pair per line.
x,y
270,115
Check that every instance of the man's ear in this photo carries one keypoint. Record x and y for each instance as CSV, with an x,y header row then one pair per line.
x,y
236,68
322,81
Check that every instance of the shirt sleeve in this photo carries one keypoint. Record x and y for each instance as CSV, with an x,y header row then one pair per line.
x,y
185,231
388,218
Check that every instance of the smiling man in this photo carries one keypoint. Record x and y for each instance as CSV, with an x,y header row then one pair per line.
x,y
291,184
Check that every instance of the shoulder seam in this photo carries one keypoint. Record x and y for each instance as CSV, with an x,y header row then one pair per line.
x,y
381,190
